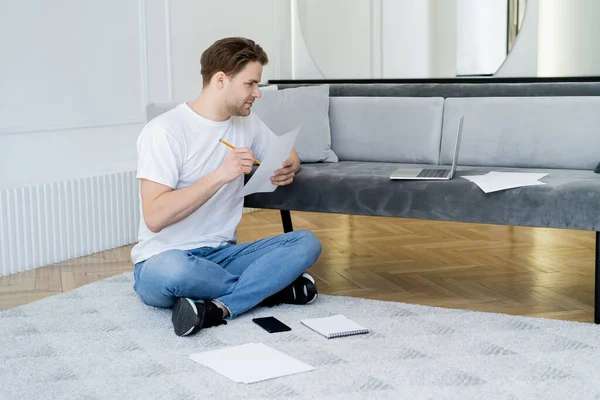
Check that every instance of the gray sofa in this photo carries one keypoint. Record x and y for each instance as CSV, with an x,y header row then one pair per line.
x,y
551,127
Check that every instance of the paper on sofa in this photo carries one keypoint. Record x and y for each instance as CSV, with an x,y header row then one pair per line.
x,y
495,181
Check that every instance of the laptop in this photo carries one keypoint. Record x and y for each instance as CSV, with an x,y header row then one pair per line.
x,y
432,172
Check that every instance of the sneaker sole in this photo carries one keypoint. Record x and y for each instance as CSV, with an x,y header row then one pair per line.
x,y
310,278
185,316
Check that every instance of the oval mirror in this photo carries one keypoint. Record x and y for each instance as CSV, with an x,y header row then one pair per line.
x,y
358,39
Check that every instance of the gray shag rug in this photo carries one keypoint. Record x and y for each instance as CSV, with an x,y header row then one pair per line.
x,y
100,342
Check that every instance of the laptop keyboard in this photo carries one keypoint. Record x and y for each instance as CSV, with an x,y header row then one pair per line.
x,y
434,173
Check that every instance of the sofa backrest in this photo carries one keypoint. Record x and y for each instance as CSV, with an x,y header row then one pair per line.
x,y
470,87
153,110
513,131
387,129
538,132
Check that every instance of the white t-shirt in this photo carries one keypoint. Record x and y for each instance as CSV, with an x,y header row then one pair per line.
x,y
176,149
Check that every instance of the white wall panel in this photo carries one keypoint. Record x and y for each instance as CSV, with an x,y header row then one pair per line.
x,y
195,25
68,64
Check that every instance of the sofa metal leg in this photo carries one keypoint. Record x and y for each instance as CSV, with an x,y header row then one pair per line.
x,y
597,282
286,220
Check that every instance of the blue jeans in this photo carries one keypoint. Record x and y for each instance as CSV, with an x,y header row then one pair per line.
x,y
239,276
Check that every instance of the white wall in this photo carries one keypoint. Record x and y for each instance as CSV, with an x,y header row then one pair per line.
x,y
337,34
73,88
28,159
523,58
76,76
568,32
302,63
442,44
481,36
406,38
558,39
346,39
196,25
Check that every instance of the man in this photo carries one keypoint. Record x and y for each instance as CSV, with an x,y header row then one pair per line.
x,y
187,256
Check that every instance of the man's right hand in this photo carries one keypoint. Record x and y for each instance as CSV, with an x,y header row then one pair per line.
x,y
239,161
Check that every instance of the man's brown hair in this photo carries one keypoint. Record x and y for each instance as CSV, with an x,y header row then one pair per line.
x,y
230,55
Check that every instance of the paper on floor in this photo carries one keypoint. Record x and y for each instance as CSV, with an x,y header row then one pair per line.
x,y
249,363
279,151
496,181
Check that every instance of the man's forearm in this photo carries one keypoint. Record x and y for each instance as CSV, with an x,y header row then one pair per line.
x,y
175,205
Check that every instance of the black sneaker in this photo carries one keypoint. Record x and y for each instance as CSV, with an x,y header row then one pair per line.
x,y
189,316
302,291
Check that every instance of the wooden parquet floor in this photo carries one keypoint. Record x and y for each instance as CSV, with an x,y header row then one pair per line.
x,y
513,270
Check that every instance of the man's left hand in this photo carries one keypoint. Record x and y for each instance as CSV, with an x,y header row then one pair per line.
x,y
285,175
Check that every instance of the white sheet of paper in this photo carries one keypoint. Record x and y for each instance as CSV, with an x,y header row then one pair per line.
x,y
278,152
495,181
251,362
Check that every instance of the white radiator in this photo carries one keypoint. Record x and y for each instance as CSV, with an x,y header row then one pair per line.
x,y
46,224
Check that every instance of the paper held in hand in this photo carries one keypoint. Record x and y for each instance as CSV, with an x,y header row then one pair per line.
x,y
279,151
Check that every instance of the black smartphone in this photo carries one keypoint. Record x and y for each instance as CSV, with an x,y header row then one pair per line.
x,y
271,324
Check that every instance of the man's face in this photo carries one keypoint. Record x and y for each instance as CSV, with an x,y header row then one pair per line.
x,y
242,89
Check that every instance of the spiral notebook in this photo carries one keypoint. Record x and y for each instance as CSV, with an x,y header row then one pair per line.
x,y
334,326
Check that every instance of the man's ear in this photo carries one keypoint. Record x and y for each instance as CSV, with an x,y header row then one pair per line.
x,y
220,79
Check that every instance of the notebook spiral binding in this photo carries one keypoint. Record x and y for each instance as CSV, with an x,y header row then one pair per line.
x,y
347,333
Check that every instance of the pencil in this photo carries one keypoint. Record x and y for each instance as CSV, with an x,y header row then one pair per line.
x,y
231,147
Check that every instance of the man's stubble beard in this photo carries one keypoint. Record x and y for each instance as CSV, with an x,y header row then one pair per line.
x,y
238,111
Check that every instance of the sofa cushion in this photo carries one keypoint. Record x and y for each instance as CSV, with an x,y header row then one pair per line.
x,y
539,132
569,199
284,110
153,110
386,128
